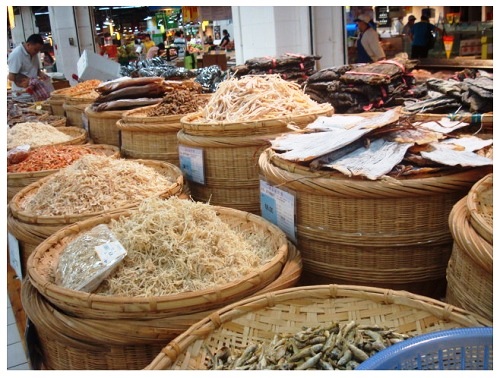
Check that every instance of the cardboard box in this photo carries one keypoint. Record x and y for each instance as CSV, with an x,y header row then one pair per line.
x,y
94,66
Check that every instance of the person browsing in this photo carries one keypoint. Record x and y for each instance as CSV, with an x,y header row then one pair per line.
x,y
225,39
367,44
421,36
25,59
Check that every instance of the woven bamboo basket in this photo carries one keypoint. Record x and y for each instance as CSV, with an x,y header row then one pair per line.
x,y
74,106
18,180
78,136
30,230
56,121
41,265
69,342
102,126
470,268
480,207
392,234
230,157
149,137
56,102
260,318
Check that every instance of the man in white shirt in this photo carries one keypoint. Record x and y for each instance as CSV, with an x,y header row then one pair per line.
x,y
25,59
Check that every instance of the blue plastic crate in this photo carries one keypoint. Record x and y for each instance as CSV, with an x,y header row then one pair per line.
x,y
455,349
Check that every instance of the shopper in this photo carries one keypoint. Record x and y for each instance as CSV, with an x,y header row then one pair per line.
x,y
180,44
32,86
421,37
368,43
407,34
147,43
225,39
25,59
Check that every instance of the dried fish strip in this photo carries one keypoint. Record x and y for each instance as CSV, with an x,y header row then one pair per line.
x,y
257,97
96,183
444,125
324,347
448,156
373,162
469,143
306,147
176,245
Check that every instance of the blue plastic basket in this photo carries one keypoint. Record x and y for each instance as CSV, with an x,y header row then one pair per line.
x,y
456,349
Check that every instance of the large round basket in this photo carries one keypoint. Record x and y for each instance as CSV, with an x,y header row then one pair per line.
x,y
259,319
470,268
145,137
102,126
69,342
77,135
56,102
30,229
74,106
220,160
384,233
18,180
96,306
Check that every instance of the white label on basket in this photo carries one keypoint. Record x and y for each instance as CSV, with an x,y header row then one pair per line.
x,y
278,207
110,252
14,255
191,163
85,122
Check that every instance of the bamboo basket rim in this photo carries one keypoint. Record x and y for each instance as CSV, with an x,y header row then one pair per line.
x,y
485,118
242,128
113,151
304,296
301,178
19,213
147,331
478,249
476,207
150,124
158,306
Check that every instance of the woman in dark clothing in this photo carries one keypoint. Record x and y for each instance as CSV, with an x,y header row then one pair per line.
x,y
225,39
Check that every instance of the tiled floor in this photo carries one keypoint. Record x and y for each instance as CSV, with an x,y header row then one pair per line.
x,y
16,358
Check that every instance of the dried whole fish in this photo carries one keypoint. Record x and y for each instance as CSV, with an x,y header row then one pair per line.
x,y
332,346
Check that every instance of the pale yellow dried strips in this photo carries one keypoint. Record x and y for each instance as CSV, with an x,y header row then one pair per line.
x,y
177,245
35,134
96,183
257,97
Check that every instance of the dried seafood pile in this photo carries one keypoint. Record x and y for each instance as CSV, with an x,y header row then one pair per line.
x,y
82,87
181,97
355,88
471,92
325,347
35,134
129,93
293,67
257,97
384,145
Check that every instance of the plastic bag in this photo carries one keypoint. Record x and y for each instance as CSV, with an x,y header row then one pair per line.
x,y
18,154
88,259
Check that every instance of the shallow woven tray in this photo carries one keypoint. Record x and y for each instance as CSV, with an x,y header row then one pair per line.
x,y
259,318
44,258
470,268
265,126
69,342
384,233
78,136
18,180
485,120
102,126
480,206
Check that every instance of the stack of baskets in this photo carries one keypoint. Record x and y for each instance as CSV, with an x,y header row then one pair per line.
x,y
56,102
470,268
74,106
78,330
391,234
31,229
230,154
259,319
102,125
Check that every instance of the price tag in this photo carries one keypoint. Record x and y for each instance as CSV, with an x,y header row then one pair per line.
x,y
110,252
14,255
191,163
278,207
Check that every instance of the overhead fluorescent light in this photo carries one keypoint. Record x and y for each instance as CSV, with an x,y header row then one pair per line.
x,y
103,8
148,18
40,13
